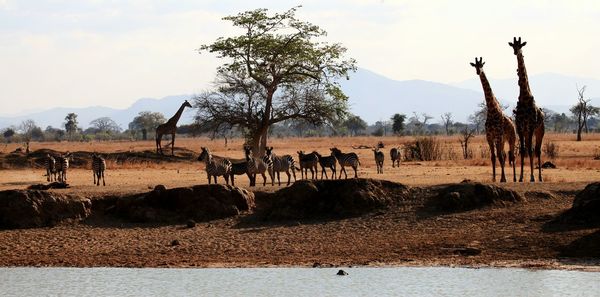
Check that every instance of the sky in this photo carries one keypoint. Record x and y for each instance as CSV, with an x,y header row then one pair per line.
x,y
92,52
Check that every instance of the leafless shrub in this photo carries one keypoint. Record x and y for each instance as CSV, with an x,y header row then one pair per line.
x,y
423,149
551,149
466,136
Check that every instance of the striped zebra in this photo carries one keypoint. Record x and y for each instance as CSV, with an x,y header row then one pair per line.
x,y
98,168
256,166
238,168
379,157
50,165
62,165
326,162
279,164
215,166
348,159
308,161
395,156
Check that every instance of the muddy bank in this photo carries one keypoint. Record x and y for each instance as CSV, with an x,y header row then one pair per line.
x,y
385,224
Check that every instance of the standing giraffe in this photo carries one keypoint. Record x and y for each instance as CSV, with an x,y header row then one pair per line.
x,y
529,118
498,127
170,127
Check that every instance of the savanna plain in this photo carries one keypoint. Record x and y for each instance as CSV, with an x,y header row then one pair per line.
x,y
519,234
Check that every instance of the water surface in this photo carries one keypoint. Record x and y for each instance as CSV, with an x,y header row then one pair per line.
x,y
400,281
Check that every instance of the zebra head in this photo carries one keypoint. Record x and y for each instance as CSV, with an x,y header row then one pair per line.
x,y
301,154
335,151
204,155
68,156
247,151
317,154
269,151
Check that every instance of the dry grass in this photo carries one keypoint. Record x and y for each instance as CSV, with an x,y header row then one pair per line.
x,y
575,162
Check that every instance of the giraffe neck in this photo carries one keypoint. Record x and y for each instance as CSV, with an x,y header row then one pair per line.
x,y
524,90
177,115
490,99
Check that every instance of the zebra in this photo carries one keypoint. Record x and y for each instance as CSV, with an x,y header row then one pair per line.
x,y
348,159
238,168
98,168
278,164
215,166
379,157
256,165
326,162
50,165
395,156
308,161
62,165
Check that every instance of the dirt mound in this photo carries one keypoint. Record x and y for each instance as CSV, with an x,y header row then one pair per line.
x,y
200,203
334,198
586,207
585,247
472,195
32,208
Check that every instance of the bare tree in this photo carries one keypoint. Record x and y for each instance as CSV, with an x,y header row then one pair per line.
x,y
29,130
582,110
466,136
447,121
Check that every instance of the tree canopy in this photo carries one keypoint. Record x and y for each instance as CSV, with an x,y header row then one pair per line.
x,y
277,69
146,121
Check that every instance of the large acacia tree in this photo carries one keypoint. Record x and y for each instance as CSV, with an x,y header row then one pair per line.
x,y
278,69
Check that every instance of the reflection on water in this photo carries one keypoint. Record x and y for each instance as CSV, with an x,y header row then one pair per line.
x,y
401,281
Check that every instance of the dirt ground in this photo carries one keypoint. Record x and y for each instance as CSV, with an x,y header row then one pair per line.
x,y
516,235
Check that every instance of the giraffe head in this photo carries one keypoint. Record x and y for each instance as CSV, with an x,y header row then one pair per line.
x,y
517,45
187,104
478,65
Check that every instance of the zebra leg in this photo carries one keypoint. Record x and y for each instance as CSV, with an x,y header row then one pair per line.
x,y
208,175
355,172
264,179
290,176
232,179
279,178
103,180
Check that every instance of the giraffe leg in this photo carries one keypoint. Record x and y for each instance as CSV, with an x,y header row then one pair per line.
x,y
501,159
539,135
493,159
529,148
522,155
173,144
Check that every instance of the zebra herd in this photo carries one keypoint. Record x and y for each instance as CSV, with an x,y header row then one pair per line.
x,y
273,165
57,167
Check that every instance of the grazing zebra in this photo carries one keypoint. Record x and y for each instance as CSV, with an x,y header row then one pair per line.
x,y
238,168
308,161
50,165
348,159
278,164
62,165
256,166
215,166
98,167
379,157
395,156
326,162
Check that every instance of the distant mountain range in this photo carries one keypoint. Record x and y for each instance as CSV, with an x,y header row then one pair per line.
x,y
372,96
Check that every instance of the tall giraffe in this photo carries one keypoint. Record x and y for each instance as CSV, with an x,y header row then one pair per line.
x,y
498,127
170,127
529,118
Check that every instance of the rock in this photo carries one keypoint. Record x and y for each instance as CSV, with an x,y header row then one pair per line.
x,y
175,242
468,251
585,247
586,207
472,195
52,185
198,203
34,208
538,195
191,224
341,272
334,198
160,188
548,165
